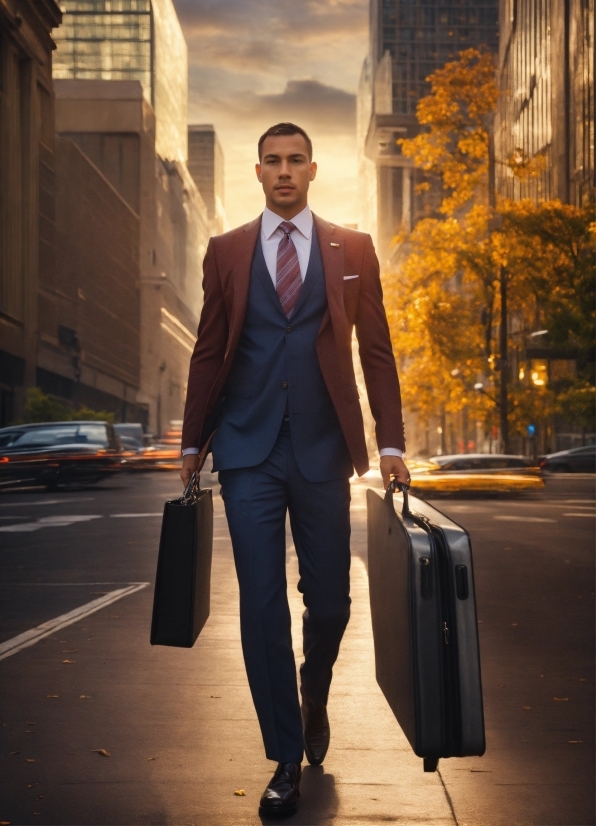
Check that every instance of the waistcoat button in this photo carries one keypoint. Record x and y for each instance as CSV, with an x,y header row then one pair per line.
x,y
284,384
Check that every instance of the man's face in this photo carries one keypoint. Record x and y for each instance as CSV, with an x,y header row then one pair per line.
x,y
285,173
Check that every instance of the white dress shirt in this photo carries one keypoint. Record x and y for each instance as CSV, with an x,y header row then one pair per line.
x,y
271,235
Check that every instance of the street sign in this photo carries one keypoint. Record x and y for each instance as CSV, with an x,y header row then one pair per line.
x,y
531,430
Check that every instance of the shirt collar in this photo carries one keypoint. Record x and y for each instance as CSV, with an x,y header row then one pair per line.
x,y
303,222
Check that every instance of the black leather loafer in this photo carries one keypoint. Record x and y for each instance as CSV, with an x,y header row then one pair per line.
x,y
280,798
316,732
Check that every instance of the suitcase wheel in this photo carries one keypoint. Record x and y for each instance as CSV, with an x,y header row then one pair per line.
x,y
430,764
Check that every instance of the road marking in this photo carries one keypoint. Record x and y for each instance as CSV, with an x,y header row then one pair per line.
x,y
28,638
580,501
129,515
523,519
589,515
44,502
49,522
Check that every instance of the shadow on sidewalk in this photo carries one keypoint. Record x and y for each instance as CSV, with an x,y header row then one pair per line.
x,y
318,800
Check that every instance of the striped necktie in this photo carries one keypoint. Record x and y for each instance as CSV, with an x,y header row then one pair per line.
x,y
288,281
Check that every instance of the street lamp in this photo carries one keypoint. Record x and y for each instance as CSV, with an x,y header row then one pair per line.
x,y
479,387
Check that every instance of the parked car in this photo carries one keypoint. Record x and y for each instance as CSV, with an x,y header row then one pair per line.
x,y
575,460
475,472
58,453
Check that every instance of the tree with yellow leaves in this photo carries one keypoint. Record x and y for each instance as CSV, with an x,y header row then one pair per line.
x,y
444,298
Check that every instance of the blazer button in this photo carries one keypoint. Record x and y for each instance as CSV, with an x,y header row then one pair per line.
x,y
284,384
288,329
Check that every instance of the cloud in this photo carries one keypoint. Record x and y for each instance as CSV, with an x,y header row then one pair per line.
x,y
310,102
253,63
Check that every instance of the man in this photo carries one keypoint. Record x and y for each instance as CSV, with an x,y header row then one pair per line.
x,y
272,370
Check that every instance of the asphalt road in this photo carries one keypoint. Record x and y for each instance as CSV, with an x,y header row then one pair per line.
x,y
534,565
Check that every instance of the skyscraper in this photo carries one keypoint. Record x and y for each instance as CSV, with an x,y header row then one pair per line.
x,y
546,107
206,165
409,39
131,40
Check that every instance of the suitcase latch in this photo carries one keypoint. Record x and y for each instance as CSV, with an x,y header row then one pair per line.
x,y
446,633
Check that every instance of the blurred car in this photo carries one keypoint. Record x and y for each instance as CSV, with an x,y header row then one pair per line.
x,y
575,460
154,457
475,472
58,453
130,430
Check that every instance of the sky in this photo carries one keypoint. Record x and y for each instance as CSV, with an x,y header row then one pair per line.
x,y
253,63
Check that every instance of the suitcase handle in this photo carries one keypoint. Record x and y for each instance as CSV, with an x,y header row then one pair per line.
x,y
394,486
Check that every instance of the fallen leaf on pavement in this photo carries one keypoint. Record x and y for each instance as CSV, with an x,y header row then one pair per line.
x,y
103,752
576,741
561,699
15,752
68,661
151,758
527,708
84,696
514,624
240,792
52,696
4,822
29,759
32,785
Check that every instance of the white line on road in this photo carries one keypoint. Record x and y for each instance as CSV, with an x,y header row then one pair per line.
x,y
523,519
49,522
28,638
128,515
589,515
44,502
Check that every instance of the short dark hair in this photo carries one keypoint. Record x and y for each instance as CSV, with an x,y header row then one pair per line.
x,y
285,129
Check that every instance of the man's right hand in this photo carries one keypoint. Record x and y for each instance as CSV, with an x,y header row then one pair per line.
x,y
190,463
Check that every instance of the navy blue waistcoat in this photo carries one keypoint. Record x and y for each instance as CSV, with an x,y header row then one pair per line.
x,y
276,368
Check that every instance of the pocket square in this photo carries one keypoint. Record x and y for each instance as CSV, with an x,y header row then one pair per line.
x,y
349,277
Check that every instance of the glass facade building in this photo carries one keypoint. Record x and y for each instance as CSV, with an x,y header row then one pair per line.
x,y
105,40
546,106
422,36
409,39
130,40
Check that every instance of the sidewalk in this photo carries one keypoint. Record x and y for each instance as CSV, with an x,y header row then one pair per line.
x,y
181,730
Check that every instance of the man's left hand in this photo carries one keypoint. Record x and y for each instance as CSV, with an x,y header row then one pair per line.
x,y
394,467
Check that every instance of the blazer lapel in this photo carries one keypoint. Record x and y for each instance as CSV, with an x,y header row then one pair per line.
x,y
244,250
332,254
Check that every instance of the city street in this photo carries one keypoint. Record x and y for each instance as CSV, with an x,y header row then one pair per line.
x,y
98,727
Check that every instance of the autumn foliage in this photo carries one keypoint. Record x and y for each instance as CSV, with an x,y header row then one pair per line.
x,y
443,294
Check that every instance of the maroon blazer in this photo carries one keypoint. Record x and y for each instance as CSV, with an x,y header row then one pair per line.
x,y
356,302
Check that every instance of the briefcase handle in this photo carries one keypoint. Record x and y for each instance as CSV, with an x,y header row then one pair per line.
x,y
394,486
192,490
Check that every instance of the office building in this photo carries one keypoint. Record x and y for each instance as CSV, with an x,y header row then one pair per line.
x,y
114,126
206,165
408,41
546,108
131,40
27,195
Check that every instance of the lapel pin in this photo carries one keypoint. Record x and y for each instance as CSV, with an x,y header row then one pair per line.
x,y
334,245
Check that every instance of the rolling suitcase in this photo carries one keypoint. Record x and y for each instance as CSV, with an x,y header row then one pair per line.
x,y
424,626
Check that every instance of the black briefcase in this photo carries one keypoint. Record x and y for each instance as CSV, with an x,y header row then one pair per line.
x,y
183,580
425,629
